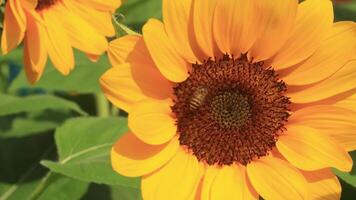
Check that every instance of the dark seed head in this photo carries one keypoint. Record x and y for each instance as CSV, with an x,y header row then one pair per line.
x,y
243,111
44,4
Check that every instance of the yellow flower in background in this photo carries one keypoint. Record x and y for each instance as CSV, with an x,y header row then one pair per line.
x,y
53,27
236,99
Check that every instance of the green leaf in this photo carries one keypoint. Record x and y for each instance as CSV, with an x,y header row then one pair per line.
x,y
137,12
345,11
32,123
125,193
120,28
56,187
60,187
350,177
84,146
15,56
14,105
84,79
97,191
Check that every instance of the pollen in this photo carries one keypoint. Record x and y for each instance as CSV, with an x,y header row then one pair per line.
x,y
240,115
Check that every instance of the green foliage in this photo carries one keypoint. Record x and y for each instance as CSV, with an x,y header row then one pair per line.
x,y
14,105
350,177
137,12
83,79
84,150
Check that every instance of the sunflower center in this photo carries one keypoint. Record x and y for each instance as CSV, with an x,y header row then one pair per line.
x,y
44,4
230,110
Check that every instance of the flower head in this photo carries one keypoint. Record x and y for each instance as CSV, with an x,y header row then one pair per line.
x,y
53,27
236,99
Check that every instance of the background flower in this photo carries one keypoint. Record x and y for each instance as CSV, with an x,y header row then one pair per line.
x,y
53,27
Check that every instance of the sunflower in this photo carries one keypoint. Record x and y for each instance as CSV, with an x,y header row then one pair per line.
x,y
236,99
53,27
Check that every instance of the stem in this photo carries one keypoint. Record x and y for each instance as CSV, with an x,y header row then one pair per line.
x,y
115,111
102,105
42,185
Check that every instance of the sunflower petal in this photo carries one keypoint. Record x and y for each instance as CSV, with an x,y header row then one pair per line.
x,y
310,150
203,17
14,26
276,21
120,49
336,122
107,5
178,179
151,121
18,12
175,16
332,55
59,49
323,184
29,4
268,175
228,182
314,20
342,81
100,20
168,61
348,103
132,157
78,31
35,53
235,26
120,88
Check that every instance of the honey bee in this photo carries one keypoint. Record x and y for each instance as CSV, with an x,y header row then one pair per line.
x,y
198,97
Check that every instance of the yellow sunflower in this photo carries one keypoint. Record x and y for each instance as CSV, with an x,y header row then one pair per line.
x,y
53,27
236,99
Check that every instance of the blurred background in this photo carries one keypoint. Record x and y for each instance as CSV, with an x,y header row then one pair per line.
x,y
56,123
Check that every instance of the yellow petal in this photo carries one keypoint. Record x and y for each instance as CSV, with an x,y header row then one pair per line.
x,y
308,149
336,122
167,59
100,20
314,20
120,88
348,103
342,81
133,49
92,57
120,49
333,54
152,121
227,182
18,12
132,157
59,49
276,21
14,27
323,184
276,179
107,5
175,16
177,180
29,4
35,52
81,34
203,17
235,27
